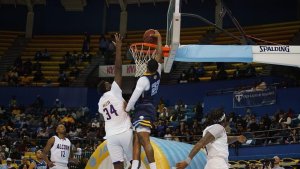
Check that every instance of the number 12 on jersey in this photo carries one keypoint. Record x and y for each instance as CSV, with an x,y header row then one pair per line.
x,y
63,154
109,112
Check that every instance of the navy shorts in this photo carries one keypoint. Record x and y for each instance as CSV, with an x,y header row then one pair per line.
x,y
144,114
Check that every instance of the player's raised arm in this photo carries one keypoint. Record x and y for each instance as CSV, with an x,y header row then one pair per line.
x,y
159,53
118,60
200,144
46,151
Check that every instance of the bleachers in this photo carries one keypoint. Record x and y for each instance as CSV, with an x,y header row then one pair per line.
x,y
6,40
57,46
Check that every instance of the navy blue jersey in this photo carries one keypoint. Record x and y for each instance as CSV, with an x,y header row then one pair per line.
x,y
148,96
40,165
145,112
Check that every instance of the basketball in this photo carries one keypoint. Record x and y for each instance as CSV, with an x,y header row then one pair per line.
x,y
148,38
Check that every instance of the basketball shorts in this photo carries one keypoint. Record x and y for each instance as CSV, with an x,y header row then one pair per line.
x,y
216,163
120,145
144,115
58,167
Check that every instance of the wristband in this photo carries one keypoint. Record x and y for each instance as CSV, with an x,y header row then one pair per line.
x,y
188,160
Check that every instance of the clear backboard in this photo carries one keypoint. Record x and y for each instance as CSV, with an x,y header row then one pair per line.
x,y
173,33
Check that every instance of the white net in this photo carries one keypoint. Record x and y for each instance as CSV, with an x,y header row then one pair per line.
x,y
142,54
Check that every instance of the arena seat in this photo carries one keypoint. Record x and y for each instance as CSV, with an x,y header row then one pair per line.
x,y
6,40
57,46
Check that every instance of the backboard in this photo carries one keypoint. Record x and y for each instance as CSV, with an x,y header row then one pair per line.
x,y
173,33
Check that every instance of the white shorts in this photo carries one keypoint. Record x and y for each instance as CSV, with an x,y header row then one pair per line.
x,y
120,145
59,167
216,163
143,129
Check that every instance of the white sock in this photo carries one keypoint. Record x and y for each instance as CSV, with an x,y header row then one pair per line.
x,y
135,164
152,165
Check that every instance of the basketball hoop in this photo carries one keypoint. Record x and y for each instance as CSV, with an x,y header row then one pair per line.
x,y
142,53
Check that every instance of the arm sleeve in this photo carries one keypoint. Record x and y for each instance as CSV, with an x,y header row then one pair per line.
x,y
141,85
159,68
116,90
216,130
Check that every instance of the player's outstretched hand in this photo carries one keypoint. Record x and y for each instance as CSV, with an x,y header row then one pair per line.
x,y
242,139
157,34
50,164
181,165
118,39
74,161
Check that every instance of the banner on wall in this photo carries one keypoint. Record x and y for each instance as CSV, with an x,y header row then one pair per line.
x,y
252,98
109,70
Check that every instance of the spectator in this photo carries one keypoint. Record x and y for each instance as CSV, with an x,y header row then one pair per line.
x,y
18,62
63,79
13,77
285,119
213,75
38,56
57,103
250,71
37,66
38,103
164,115
222,74
86,43
168,135
237,73
25,80
183,78
277,163
74,58
200,71
25,163
38,76
27,67
75,72
45,55
108,57
13,102
8,164
191,74
103,44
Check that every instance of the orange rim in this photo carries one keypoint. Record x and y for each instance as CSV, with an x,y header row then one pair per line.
x,y
164,49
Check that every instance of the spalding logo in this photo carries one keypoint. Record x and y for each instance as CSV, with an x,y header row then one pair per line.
x,y
274,49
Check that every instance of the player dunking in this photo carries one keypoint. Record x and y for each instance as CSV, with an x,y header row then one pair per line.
x,y
39,163
117,122
60,147
145,112
215,141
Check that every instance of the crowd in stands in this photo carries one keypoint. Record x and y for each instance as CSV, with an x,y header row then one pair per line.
x,y
28,72
186,123
27,128
197,70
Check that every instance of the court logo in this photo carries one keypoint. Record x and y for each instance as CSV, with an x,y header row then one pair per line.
x,y
239,97
274,49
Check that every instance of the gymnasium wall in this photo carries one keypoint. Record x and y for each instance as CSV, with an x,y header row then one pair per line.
x,y
53,19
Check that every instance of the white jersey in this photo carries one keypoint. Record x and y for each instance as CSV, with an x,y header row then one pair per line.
x,y
111,106
218,147
60,151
